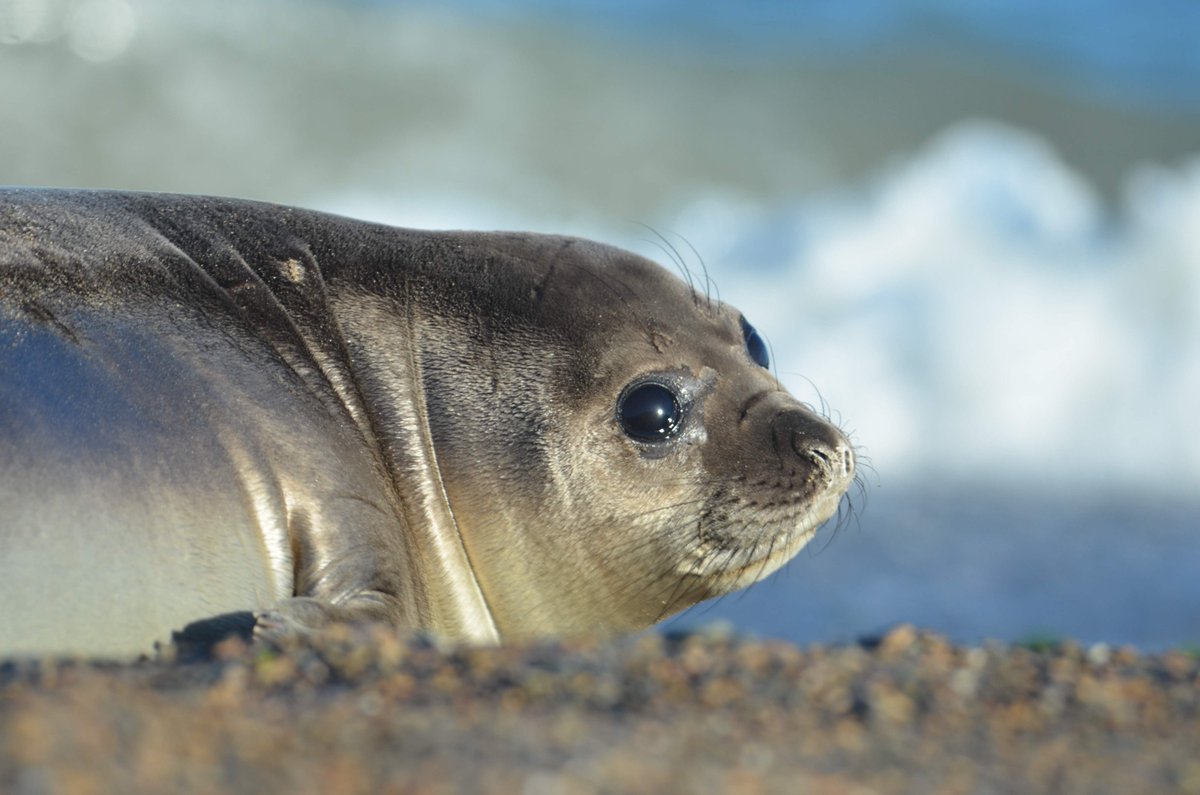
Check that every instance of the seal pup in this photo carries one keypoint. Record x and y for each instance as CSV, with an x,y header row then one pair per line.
x,y
210,406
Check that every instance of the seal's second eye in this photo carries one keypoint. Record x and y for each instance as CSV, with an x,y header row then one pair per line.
x,y
755,345
649,413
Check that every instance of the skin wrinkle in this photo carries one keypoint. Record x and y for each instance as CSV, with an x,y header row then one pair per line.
x,y
342,382
254,299
752,401
264,500
476,605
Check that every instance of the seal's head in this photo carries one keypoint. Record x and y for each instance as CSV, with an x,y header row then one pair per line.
x,y
611,442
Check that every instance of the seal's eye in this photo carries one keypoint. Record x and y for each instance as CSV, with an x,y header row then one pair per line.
x,y
755,345
649,413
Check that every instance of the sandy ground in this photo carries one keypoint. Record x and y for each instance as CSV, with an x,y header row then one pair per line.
x,y
365,710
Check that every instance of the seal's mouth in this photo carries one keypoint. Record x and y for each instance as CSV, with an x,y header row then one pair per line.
x,y
756,521
724,569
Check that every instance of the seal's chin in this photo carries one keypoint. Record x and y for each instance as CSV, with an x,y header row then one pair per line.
x,y
725,570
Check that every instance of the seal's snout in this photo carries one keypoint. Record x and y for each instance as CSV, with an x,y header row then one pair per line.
x,y
816,443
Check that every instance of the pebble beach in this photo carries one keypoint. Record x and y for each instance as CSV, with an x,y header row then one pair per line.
x,y
364,709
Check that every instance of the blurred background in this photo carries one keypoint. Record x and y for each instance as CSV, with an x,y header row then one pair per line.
x,y
973,227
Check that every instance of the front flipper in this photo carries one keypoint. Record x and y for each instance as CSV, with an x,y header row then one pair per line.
x,y
301,615
197,640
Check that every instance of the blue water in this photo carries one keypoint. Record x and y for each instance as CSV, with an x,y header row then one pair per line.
x,y
976,563
1138,53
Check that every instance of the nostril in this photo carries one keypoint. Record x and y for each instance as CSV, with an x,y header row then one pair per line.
x,y
812,448
836,458
820,457
813,440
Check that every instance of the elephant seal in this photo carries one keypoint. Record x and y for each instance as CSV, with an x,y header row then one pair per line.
x,y
210,406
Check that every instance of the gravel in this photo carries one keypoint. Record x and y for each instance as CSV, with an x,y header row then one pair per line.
x,y
364,709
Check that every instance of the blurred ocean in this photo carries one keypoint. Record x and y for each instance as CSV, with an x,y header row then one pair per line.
x,y
973,227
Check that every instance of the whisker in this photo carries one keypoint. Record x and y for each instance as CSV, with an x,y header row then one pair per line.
x,y
673,254
774,361
709,284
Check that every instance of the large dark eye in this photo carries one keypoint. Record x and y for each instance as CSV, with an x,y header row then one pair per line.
x,y
649,413
755,345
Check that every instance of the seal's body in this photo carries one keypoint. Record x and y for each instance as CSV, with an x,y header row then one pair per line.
x,y
210,406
